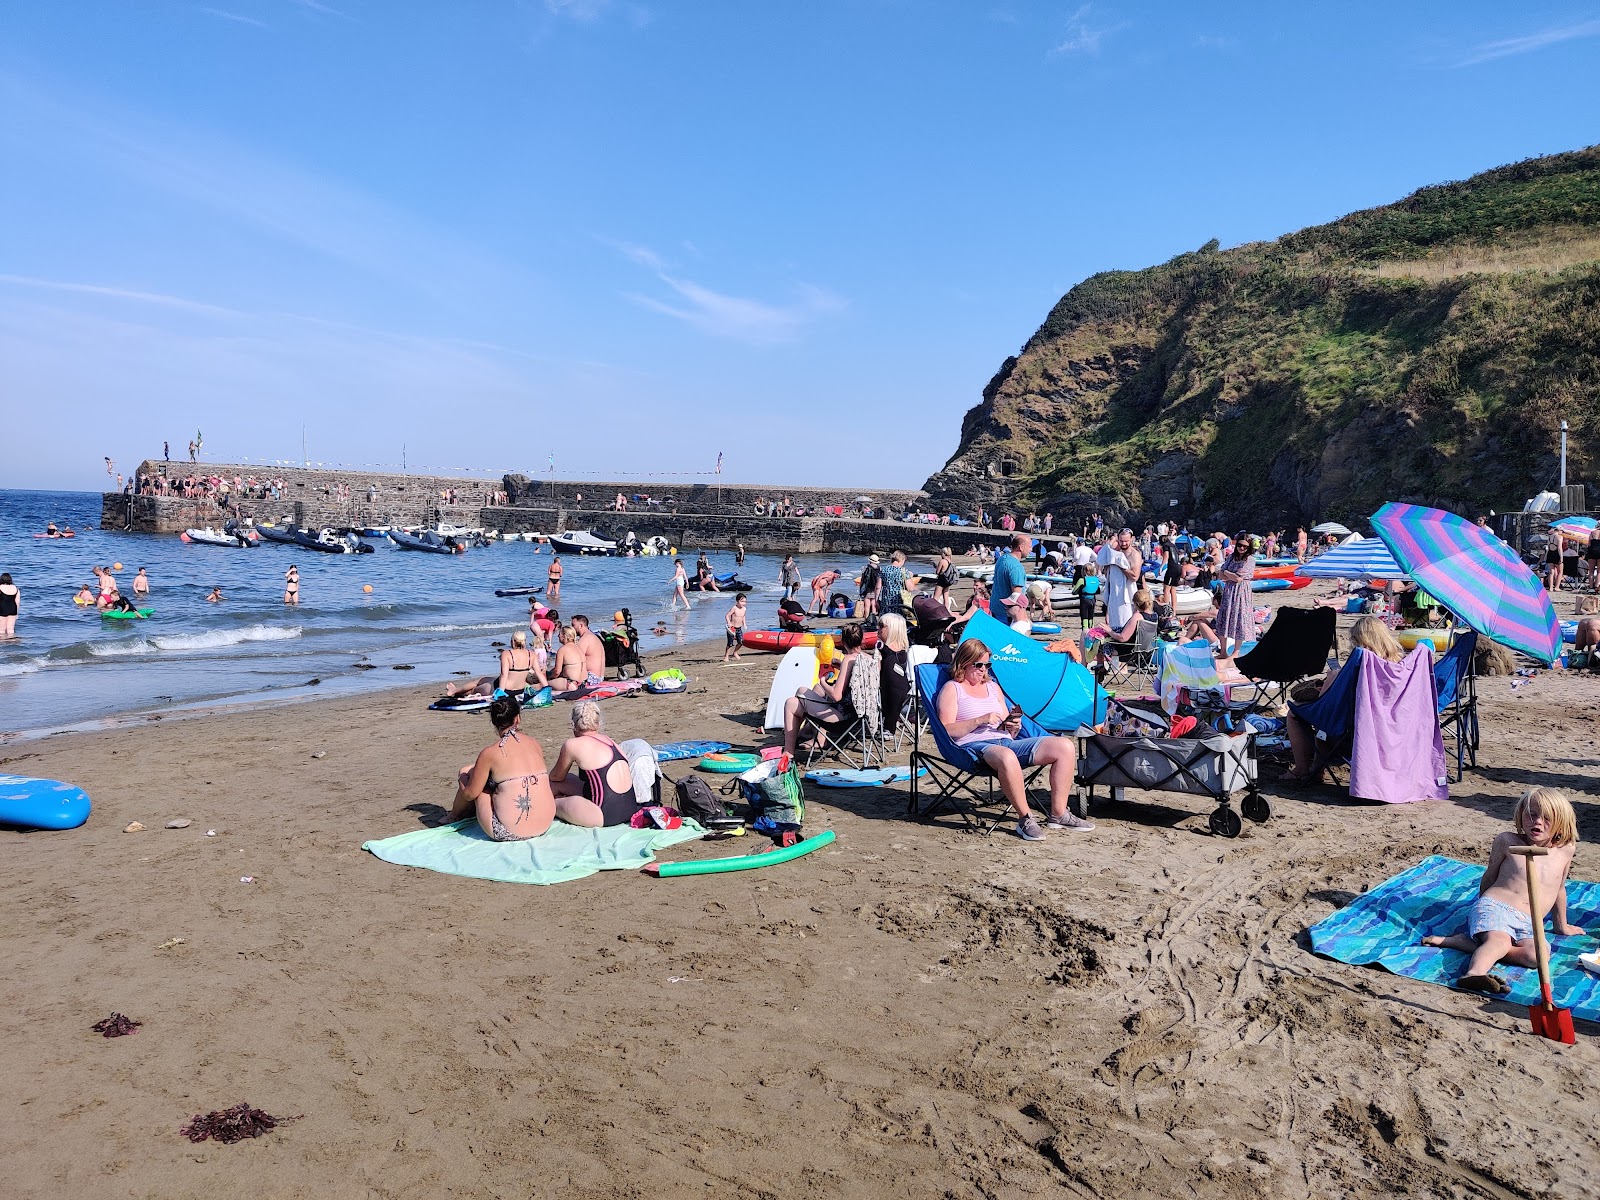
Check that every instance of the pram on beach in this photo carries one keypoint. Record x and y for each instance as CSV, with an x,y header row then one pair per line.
x,y
622,647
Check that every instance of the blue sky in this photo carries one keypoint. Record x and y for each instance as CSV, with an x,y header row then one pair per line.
x,y
632,234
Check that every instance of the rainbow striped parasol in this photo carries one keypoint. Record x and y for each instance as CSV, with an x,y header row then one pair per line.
x,y
1473,574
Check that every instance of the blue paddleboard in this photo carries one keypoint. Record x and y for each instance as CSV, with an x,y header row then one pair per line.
x,y
673,751
878,777
1046,627
42,803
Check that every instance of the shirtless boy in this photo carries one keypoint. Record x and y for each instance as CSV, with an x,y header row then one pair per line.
x,y
1500,928
736,620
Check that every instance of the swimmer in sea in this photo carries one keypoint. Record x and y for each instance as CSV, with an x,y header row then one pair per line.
x,y
215,596
141,583
291,585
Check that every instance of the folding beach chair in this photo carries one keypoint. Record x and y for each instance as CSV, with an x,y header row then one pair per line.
x,y
955,772
1333,714
1295,646
856,740
1456,677
1135,662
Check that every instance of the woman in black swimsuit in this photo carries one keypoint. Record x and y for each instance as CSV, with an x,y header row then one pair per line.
x,y
592,772
508,788
9,596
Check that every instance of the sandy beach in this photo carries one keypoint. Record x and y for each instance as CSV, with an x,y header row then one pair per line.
x,y
913,1011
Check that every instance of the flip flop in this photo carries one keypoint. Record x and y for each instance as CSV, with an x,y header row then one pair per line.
x,y
1491,985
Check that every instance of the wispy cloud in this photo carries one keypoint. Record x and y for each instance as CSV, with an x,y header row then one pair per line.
x,y
1082,37
160,299
326,9
738,318
1215,41
233,16
1527,44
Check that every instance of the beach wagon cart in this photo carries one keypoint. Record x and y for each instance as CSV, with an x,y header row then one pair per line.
x,y
1213,764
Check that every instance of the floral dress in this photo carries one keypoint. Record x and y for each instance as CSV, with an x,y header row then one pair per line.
x,y
1236,619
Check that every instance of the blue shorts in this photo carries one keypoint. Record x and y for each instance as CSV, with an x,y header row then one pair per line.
x,y
1491,914
1023,748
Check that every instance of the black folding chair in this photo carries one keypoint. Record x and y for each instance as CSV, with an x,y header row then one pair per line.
x,y
1135,660
1295,646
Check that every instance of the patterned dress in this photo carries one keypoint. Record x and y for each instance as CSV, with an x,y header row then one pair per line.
x,y
1236,619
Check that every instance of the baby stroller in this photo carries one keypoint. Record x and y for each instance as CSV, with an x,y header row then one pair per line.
x,y
622,646
791,616
932,621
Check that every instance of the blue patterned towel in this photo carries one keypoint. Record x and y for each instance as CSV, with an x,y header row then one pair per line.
x,y
1385,926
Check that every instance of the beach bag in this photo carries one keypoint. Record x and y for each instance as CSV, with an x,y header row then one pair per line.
x,y
698,802
775,792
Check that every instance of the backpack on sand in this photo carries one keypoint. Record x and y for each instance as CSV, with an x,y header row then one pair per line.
x,y
697,801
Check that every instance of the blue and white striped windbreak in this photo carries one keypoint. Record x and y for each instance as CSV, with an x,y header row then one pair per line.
x,y
1362,558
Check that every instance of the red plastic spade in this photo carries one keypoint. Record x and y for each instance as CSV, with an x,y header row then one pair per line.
x,y
1548,1020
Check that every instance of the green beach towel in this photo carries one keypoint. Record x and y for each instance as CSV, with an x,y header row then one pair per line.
x,y
563,852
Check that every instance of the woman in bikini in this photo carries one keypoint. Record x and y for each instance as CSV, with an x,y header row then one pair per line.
x,y
569,671
517,670
291,586
592,774
508,788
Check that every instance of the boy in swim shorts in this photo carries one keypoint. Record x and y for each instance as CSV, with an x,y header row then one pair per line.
x,y
1499,925
736,620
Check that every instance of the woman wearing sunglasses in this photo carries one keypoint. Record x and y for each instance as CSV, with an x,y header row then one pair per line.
x,y
977,715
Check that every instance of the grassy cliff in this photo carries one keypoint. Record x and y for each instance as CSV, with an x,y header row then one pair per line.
x,y
1426,350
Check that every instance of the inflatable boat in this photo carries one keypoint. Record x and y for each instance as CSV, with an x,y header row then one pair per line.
x,y
778,641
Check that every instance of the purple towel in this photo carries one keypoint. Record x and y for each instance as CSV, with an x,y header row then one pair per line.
x,y
1399,753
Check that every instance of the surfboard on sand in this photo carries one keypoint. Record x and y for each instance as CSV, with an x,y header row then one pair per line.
x,y
797,670
42,803
872,777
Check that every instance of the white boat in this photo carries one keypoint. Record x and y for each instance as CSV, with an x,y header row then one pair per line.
x,y
581,541
219,537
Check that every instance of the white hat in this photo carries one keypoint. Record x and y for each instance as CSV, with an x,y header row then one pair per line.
x,y
873,559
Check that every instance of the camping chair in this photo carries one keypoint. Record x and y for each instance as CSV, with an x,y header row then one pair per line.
x,y
857,739
1333,714
954,772
1294,647
1135,660
1456,677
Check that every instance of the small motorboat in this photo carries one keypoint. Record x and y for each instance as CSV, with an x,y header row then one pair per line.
x,y
230,536
581,541
428,541
325,541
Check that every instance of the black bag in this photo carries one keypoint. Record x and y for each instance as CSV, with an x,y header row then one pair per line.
x,y
697,801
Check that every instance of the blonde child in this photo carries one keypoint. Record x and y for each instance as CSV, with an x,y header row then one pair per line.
x,y
1500,928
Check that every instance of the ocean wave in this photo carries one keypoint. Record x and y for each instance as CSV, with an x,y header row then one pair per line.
x,y
17,668
215,639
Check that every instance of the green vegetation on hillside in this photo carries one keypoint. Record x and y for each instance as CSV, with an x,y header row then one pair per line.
x,y
1373,358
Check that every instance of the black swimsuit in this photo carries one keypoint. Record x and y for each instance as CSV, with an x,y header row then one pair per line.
x,y
616,808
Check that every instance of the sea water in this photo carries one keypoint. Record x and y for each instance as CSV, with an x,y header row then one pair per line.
x,y
435,614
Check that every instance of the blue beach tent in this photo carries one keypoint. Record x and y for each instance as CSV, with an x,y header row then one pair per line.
x,y
1052,689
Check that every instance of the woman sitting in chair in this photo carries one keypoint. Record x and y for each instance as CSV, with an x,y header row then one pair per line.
x,y
1124,642
1369,634
828,702
977,715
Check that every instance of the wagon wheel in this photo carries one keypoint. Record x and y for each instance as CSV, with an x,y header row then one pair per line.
x,y
1226,823
1256,807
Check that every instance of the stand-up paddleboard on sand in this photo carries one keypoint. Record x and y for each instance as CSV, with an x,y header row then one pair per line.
x,y
872,777
673,751
42,803
797,670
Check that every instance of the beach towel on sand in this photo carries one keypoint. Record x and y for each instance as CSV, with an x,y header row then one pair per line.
x,y
1432,898
563,852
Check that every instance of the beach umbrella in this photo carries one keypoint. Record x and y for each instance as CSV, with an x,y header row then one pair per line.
x,y
1187,541
1328,527
1575,527
1051,688
1359,558
862,500
1473,574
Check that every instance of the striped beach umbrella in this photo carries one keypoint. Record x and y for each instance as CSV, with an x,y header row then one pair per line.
x,y
1473,574
1361,558
1579,528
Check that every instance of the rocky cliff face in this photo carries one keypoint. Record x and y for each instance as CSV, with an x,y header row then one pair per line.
x,y
1424,351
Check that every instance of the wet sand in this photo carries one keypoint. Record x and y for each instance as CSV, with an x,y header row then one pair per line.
x,y
914,1011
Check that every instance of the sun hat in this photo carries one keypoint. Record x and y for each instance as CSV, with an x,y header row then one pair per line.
x,y
873,559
